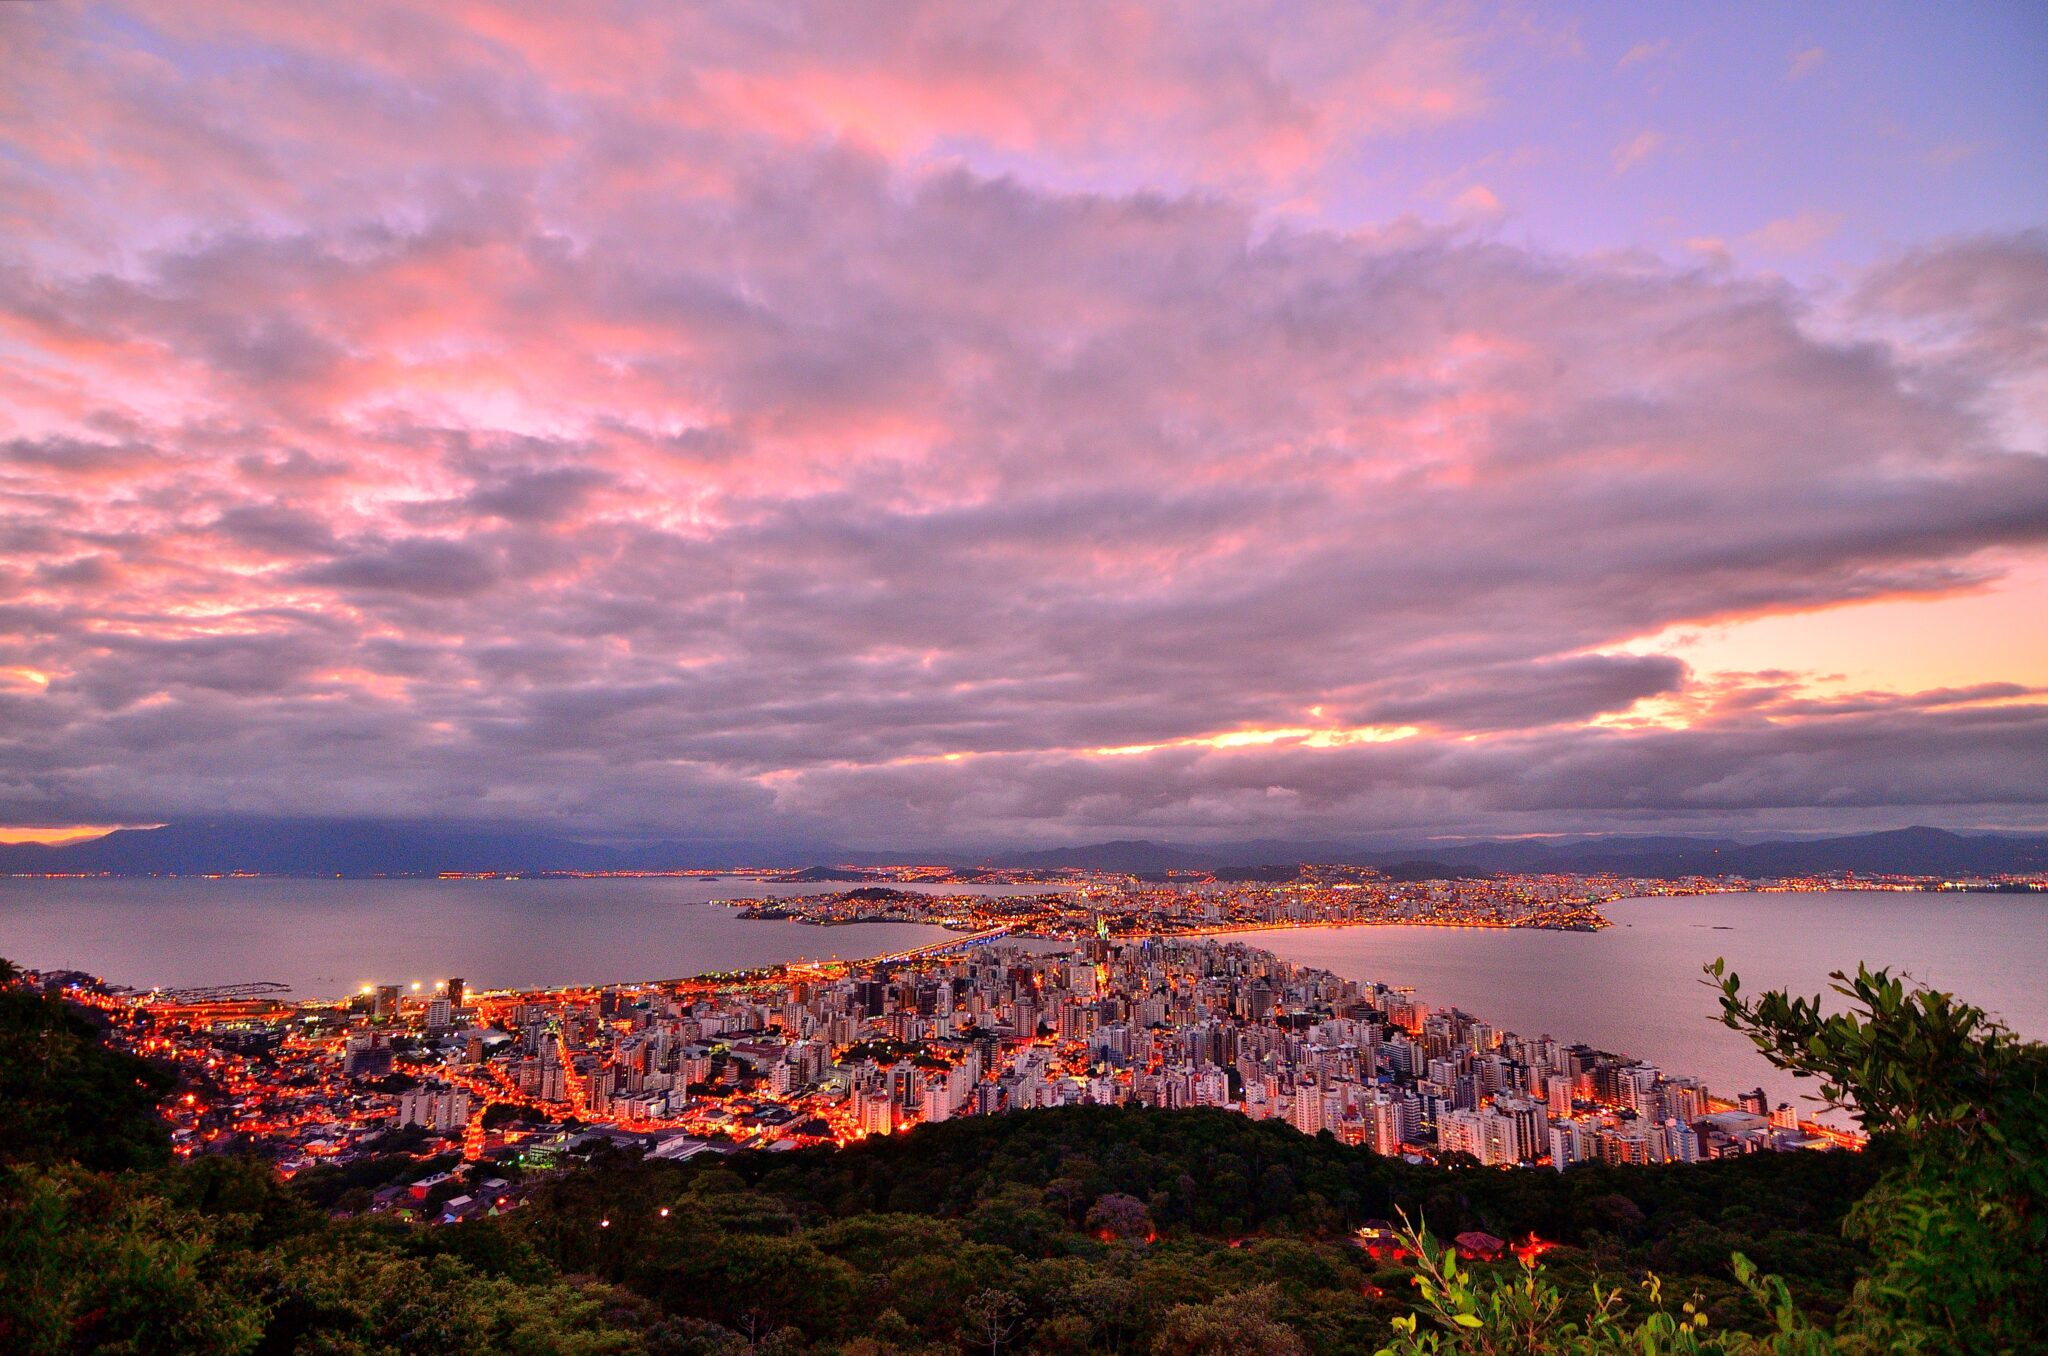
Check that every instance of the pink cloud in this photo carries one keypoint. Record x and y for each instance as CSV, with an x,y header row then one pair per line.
x,y
1637,150
1796,234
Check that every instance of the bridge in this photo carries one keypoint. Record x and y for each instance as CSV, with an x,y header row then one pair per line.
x,y
938,948
217,993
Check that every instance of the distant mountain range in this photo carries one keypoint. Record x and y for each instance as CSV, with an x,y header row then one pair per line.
x,y
1919,850
356,848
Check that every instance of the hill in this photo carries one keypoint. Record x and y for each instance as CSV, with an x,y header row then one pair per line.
x,y
814,874
377,848
352,847
1910,851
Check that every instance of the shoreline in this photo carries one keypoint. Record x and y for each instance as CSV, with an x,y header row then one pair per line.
x,y
1025,929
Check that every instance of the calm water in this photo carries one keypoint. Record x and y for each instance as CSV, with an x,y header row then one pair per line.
x,y
1632,988
330,937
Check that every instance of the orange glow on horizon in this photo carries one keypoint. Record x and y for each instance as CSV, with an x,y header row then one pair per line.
x,y
1327,738
66,833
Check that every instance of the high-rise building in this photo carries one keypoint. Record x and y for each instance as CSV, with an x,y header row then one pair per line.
x,y
875,1111
1684,1099
1564,1145
1499,1139
1385,1134
1457,1132
443,1109
366,1055
1532,1124
1306,1114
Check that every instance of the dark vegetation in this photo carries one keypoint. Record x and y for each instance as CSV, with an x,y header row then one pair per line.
x,y
1087,1229
64,1097
812,874
1403,871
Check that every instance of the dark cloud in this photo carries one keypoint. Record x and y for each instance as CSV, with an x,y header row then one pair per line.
x,y
427,566
85,571
74,455
277,529
1528,696
536,496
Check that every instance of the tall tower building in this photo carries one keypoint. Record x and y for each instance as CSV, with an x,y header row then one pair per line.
x,y
1307,1113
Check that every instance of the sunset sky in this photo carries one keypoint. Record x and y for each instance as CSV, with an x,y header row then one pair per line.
x,y
960,424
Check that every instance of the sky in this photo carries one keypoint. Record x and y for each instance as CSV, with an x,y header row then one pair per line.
x,y
935,424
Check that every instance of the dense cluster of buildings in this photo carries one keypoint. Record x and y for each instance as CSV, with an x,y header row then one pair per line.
x,y
1322,897
830,1053
1182,902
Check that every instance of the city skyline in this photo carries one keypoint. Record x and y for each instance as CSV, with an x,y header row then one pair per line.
x,y
1037,425
817,1053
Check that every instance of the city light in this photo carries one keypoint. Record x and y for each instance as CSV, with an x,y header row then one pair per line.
x,y
1110,991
